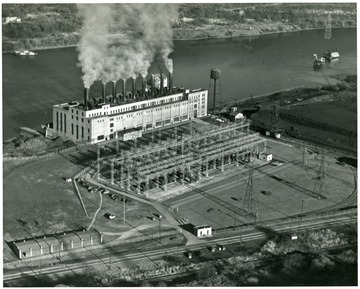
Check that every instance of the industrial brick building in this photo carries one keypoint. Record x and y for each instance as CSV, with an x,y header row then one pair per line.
x,y
126,115
54,244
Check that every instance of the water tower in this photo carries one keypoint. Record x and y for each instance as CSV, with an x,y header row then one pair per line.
x,y
215,84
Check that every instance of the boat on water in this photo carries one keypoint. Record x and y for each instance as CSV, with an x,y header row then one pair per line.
x,y
24,52
318,62
331,55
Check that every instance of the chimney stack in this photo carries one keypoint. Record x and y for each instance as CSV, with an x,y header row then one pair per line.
x,y
161,82
103,92
143,86
124,89
114,91
133,87
170,82
153,85
86,97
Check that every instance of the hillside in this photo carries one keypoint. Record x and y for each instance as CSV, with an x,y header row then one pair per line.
x,y
58,25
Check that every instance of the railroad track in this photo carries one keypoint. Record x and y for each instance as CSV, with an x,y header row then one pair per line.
x,y
116,259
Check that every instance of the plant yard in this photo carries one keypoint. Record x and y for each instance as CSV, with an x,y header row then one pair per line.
x,y
278,191
40,201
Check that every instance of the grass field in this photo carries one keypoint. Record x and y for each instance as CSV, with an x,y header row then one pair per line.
x,y
38,201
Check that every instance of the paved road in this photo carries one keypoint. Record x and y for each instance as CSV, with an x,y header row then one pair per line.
x,y
11,277
162,209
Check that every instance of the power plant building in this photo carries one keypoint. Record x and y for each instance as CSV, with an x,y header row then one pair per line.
x,y
126,115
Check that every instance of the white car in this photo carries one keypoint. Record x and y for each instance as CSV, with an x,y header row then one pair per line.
x,y
111,216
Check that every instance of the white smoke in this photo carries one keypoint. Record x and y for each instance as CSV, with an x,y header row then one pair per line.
x,y
103,58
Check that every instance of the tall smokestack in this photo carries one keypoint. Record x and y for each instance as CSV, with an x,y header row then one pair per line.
x,y
103,92
153,85
143,86
124,89
86,97
133,86
170,82
114,91
161,82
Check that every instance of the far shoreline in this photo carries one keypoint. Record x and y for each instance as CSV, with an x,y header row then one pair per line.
x,y
195,39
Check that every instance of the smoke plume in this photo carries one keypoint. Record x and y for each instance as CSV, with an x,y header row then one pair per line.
x,y
103,57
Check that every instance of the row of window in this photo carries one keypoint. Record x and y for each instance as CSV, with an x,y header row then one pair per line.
x,y
59,123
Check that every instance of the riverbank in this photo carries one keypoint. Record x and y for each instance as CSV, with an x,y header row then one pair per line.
x,y
326,114
179,34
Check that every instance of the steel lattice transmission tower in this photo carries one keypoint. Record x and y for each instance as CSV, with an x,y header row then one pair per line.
x,y
320,185
248,199
275,121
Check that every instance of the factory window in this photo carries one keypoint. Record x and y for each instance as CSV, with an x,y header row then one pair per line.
x,y
72,111
77,112
88,121
77,118
72,128
111,119
65,123
82,132
61,123
88,137
88,130
111,130
100,137
111,125
72,117
77,132
57,120
195,105
82,120
82,114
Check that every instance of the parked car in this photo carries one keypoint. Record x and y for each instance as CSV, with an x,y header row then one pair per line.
x,y
68,180
211,248
110,216
189,255
221,247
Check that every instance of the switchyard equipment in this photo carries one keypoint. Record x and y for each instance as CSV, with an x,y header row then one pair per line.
x,y
191,157
275,122
320,185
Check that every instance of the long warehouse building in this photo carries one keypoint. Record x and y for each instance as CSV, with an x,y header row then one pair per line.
x,y
127,115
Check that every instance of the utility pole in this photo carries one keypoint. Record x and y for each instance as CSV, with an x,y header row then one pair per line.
x,y
98,162
275,121
160,217
124,217
248,199
320,185
301,217
304,160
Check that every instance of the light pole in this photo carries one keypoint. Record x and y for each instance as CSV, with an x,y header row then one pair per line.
x,y
302,209
160,217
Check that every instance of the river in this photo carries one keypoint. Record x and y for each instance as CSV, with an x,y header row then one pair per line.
x,y
249,65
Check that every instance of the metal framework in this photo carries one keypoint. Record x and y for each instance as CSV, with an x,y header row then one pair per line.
x,y
320,185
189,157
275,121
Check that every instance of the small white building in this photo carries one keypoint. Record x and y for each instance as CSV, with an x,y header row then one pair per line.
x,y
203,231
265,157
12,20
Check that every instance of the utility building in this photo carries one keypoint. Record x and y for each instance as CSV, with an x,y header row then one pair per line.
x,y
125,113
203,231
54,244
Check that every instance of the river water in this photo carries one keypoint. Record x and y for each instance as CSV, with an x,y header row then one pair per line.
x,y
249,65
